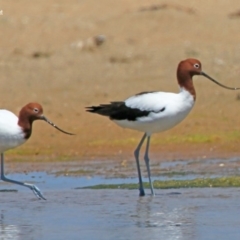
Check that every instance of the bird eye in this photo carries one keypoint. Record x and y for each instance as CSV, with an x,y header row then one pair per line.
x,y
196,65
35,110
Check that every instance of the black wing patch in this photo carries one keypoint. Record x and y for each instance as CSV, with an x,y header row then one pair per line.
x,y
119,111
142,93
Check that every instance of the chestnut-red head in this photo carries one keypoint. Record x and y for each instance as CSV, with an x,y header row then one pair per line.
x,y
189,68
30,113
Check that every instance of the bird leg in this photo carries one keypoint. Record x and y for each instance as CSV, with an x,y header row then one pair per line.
x,y
34,188
146,158
136,154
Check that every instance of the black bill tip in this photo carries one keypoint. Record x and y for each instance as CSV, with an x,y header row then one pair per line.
x,y
220,84
55,126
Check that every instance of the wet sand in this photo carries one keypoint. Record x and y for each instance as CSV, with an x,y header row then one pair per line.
x,y
126,168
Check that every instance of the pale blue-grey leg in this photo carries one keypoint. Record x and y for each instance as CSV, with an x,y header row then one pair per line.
x,y
146,158
34,188
136,154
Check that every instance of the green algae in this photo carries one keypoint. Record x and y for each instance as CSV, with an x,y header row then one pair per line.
x,y
230,181
8,190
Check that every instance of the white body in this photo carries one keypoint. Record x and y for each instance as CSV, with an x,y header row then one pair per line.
x,y
11,134
177,106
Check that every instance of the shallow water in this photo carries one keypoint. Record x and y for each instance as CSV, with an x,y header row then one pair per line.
x,y
115,214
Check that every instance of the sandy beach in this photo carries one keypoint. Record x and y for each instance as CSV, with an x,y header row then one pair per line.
x,y
49,54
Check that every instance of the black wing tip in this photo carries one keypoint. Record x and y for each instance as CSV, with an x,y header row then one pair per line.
x,y
102,109
146,92
92,109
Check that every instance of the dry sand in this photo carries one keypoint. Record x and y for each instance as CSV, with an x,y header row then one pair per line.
x,y
47,55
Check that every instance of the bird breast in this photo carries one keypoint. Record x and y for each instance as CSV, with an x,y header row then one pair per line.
x,y
11,134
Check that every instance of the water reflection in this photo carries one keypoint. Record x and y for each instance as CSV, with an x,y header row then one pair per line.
x,y
121,214
8,231
163,220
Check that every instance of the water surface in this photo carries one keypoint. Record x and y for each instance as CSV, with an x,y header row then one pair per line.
x,y
116,214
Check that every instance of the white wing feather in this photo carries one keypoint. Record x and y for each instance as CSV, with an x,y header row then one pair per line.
x,y
154,101
175,107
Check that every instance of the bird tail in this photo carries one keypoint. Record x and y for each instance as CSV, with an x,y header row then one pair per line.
x,y
103,109
106,109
